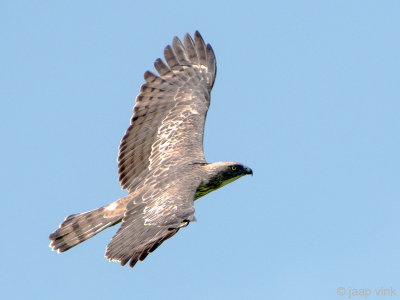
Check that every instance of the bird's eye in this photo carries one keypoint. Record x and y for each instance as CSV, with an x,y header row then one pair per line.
x,y
233,168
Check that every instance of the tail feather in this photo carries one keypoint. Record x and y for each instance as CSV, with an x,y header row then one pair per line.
x,y
79,227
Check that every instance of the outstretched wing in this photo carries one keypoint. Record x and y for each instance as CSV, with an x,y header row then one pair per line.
x,y
151,219
170,111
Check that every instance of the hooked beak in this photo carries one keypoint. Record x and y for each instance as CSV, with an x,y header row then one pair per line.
x,y
248,171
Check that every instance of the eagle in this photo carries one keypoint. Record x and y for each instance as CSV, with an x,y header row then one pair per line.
x,y
161,160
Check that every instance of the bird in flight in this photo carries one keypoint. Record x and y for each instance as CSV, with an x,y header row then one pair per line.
x,y
161,161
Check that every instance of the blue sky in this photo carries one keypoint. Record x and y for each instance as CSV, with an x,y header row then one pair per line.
x,y
307,94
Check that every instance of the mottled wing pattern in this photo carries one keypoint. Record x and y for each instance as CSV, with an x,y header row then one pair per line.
x,y
151,219
168,118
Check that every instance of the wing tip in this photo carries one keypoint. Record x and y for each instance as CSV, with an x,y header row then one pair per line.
x,y
178,54
198,35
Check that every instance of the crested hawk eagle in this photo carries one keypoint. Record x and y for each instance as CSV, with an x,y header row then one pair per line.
x,y
161,161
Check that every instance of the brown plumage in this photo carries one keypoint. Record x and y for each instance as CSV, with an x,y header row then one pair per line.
x,y
161,159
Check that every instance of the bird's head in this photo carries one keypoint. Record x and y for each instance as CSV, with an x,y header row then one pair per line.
x,y
230,170
221,173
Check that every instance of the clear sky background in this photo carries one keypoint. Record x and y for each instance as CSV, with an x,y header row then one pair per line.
x,y
307,94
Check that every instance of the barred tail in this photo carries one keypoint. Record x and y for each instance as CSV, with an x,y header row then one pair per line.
x,y
79,227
